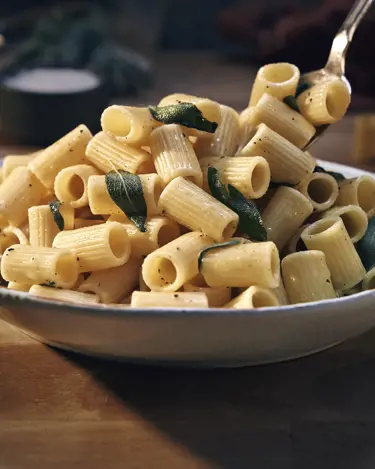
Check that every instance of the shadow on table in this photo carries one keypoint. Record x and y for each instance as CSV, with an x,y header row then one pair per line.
x,y
313,413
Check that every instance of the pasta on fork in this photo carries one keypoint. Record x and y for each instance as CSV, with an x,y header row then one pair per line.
x,y
191,204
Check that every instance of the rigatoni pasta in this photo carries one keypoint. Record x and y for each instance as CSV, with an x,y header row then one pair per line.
x,y
96,247
329,235
67,151
287,163
324,103
242,265
281,118
358,191
133,213
278,80
190,206
174,155
71,184
251,176
130,125
107,154
321,189
306,277
174,264
113,285
254,297
226,139
354,219
67,296
184,300
20,190
284,214
36,265
12,162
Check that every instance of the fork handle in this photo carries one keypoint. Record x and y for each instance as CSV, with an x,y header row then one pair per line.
x,y
344,36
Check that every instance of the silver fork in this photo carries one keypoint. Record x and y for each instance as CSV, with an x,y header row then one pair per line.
x,y
335,66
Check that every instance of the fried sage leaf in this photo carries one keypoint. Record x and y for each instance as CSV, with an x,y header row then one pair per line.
x,y
186,114
126,191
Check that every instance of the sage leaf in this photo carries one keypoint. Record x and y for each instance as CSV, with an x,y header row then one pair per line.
x,y
126,191
57,217
251,222
302,87
291,101
186,114
366,246
204,251
337,176
217,188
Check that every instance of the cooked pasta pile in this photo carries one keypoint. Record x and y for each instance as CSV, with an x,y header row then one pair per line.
x,y
190,204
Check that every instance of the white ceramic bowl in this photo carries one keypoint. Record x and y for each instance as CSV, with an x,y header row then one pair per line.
x,y
194,337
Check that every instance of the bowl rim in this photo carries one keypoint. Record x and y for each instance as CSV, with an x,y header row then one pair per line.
x,y
12,297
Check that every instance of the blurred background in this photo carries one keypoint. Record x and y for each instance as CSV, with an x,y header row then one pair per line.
x,y
144,49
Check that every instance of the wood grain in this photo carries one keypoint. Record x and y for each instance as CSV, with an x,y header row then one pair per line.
x,y
65,411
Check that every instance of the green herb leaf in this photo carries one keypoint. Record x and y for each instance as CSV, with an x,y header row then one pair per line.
x,y
204,251
186,114
126,191
276,185
58,218
217,188
337,176
291,102
251,222
302,87
366,246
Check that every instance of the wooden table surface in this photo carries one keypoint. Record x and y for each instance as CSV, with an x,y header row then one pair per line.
x,y
58,410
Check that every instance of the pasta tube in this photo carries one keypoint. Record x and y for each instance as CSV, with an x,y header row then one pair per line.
x,y
190,206
254,297
131,125
242,265
67,296
174,155
141,299
113,285
71,184
12,162
29,265
96,247
278,80
251,176
354,219
287,163
19,190
11,235
358,191
159,231
42,226
67,151
173,265
282,119
225,140
324,103
306,277
330,236
321,189
284,214
107,154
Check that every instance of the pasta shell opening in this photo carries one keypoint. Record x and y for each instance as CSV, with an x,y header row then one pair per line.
x,y
118,241
116,121
337,99
279,73
366,194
